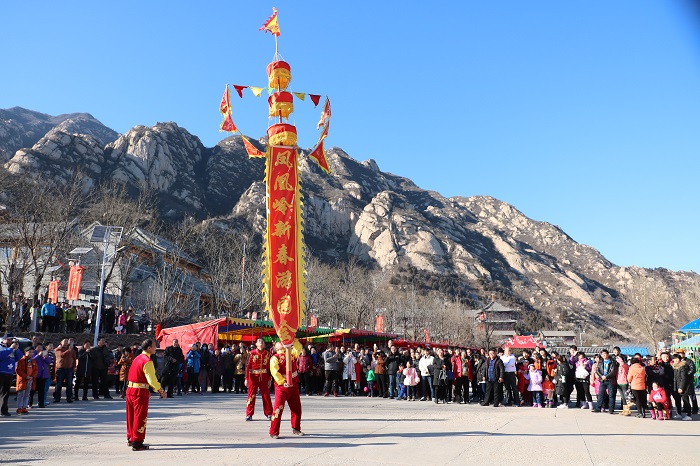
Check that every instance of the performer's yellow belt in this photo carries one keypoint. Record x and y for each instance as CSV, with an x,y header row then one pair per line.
x,y
258,371
137,385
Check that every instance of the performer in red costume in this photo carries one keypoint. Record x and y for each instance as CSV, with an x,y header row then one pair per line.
x,y
141,374
257,376
285,391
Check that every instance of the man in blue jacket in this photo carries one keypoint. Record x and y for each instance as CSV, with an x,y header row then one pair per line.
x,y
9,355
48,312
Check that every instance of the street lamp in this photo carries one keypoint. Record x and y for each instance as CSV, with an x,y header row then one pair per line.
x,y
103,234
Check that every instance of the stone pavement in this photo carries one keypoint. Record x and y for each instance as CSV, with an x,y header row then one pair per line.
x,y
211,430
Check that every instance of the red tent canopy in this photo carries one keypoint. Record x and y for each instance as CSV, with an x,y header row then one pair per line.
x,y
523,342
204,332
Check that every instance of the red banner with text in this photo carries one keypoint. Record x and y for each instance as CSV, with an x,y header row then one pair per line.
x,y
75,280
379,324
284,267
53,290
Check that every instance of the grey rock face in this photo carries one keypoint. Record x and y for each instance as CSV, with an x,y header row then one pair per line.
x,y
22,128
357,210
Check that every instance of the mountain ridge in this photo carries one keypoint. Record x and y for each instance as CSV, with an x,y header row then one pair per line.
x,y
384,220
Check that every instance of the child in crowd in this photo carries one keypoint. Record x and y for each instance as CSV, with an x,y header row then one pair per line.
x,y
522,375
400,378
659,403
548,390
26,373
370,382
358,376
535,386
411,380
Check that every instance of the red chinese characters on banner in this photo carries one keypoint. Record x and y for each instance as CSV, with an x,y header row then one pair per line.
x,y
53,290
284,248
75,279
379,324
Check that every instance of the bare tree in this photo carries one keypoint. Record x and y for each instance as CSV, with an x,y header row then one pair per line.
x,y
233,266
649,301
114,205
45,217
171,294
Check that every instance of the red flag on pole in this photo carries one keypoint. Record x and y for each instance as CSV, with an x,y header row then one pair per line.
x,y
228,124
53,290
251,149
379,324
325,114
75,280
225,105
319,155
315,99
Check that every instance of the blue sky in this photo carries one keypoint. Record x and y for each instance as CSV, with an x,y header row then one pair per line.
x,y
581,114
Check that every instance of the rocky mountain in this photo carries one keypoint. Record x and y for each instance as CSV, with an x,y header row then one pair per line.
x,y
22,128
383,219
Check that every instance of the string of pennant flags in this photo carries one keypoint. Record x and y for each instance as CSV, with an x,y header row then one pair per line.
x,y
317,153
257,92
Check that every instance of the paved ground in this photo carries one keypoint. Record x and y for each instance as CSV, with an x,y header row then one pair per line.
x,y
210,430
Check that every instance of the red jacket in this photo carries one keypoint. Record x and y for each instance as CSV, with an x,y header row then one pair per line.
x,y
26,369
457,366
659,396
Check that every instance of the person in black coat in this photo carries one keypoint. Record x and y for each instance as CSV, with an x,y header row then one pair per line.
x,y
682,385
173,360
563,376
393,359
83,372
493,372
439,375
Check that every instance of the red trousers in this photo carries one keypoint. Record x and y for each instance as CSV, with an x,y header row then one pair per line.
x,y
290,395
253,385
136,413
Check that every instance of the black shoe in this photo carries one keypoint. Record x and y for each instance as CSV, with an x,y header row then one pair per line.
x,y
496,406
129,443
483,404
139,447
108,397
69,401
6,415
84,398
595,410
56,401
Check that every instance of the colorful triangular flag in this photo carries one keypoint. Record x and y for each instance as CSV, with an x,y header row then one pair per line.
x,y
300,95
251,149
228,124
239,89
315,99
225,105
256,90
272,24
319,155
324,132
325,114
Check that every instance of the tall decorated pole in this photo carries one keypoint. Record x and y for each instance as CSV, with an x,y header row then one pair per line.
x,y
283,274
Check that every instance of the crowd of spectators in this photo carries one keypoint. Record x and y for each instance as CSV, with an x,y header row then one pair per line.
x,y
67,318
660,386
